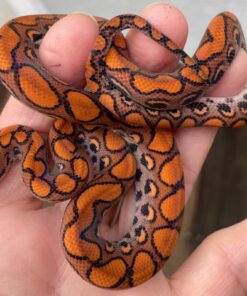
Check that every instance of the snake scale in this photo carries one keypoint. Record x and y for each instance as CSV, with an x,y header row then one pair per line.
x,y
115,133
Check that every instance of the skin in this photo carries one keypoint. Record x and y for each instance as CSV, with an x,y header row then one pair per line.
x,y
32,261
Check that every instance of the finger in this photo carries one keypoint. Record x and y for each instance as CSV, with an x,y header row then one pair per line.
x,y
63,52
194,143
147,53
151,56
217,267
65,60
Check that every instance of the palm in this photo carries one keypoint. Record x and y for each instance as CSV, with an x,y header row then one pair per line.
x,y
32,260
30,251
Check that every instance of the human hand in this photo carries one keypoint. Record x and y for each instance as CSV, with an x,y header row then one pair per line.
x,y
32,261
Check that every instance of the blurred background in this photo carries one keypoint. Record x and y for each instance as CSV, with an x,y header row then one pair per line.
x,y
220,195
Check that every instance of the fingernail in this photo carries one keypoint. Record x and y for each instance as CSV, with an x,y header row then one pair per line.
x,y
84,14
158,3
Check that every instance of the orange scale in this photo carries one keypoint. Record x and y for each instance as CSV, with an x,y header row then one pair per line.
x,y
20,136
126,168
113,141
40,187
38,168
156,34
64,126
239,123
143,268
171,172
8,41
64,149
164,241
109,274
80,168
39,91
82,106
75,246
215,122
120,42
115,22
166,83
162,142
189,74
107,101
188,122
172,207
65,183
5,139
100,43
135,119
139,22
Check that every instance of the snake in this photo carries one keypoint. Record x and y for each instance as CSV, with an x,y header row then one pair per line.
x,y
114,135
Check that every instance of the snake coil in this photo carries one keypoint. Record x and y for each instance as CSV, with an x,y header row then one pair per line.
x,y
115,134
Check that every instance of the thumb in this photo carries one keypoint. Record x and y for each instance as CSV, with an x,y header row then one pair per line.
x,y
62,58
217,267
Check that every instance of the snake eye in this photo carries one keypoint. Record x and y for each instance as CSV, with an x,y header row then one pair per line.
x,y
34,35
60,166
16,151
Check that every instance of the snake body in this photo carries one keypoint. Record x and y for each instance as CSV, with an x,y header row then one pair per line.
x,y
114,133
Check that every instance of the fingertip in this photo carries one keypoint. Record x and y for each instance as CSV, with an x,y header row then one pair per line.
x,y
193,145
170,21
223,252
63,52
234,79
15,112
66,46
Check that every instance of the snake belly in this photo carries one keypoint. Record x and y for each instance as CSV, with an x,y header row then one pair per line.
x,y
114,135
